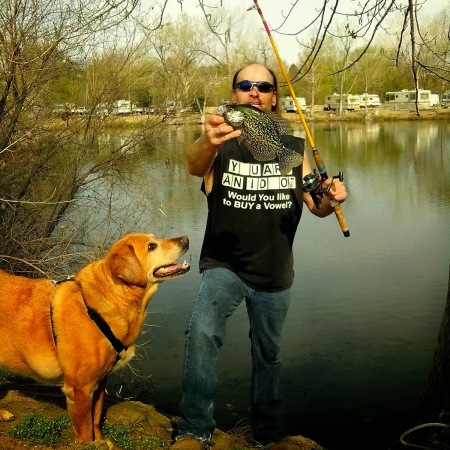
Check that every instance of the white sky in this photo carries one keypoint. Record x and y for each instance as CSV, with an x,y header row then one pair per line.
x,y
274,10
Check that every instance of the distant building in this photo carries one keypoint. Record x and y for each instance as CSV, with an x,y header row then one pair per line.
x,y
406,99
445,101
350,102
369,100
287,104
121,107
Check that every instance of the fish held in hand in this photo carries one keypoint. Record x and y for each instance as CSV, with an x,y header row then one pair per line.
x,y
261,133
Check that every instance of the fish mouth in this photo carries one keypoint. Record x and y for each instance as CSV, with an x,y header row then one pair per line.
x,y
171,270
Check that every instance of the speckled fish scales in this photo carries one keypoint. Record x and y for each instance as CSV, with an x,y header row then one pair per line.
x,y
261,134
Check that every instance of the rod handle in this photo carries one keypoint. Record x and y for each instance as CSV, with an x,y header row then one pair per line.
x,y
340,217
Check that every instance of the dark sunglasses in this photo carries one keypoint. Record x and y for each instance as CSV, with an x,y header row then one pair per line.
x,y
247,86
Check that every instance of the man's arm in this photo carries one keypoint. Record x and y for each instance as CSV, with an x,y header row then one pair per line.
x,y
337,193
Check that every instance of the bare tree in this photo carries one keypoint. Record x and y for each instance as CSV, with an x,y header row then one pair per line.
x,y
45,160
425,49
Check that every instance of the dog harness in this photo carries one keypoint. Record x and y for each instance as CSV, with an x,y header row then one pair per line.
x,y
98,320
106,330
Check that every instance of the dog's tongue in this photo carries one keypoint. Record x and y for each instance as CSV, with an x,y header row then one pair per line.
x,y
171,269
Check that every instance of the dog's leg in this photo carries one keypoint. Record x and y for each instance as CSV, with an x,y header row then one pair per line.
x,y
79,406
97,408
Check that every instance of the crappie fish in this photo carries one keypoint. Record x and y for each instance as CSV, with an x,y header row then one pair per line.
x,y
261,132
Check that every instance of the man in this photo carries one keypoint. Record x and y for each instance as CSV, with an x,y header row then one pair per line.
x,y
246,255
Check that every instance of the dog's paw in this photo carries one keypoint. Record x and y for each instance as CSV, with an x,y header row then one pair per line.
x,y
6,416
104,444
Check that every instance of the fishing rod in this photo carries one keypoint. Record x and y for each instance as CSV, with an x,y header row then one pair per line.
x,y
312,184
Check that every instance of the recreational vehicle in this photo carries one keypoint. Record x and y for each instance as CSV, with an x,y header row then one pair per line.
x,y
434,100
121,107
369,100
445,102
350,102
406,99
287,104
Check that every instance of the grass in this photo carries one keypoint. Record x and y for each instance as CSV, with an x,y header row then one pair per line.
x,y
122,437
39,430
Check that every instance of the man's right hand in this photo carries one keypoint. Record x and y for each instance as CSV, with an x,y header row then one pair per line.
x,y
217,130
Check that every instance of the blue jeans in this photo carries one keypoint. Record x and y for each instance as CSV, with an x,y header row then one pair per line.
x,y
220,293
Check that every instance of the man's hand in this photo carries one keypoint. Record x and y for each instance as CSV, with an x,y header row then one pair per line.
x,y
217,131
337,192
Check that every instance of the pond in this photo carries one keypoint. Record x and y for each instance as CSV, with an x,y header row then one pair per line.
x,y
366,310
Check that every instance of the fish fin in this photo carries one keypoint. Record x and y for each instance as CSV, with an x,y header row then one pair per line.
x,y
287,159
279,123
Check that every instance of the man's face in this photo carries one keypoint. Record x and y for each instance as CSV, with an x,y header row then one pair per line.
x,y
262,100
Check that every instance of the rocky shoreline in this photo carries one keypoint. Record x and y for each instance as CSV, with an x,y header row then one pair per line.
x,y
143,419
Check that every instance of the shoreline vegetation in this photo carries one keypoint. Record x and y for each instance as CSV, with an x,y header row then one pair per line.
x,y
373,115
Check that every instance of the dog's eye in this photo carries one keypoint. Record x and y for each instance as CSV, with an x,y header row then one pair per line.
x,y
151,246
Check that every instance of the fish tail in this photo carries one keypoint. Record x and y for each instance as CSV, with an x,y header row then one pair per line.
x,y
287,159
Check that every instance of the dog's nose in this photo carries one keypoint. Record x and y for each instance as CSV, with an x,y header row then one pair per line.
x,y
184,242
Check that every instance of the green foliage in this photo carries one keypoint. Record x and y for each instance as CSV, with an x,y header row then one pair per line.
x,y
40,430
122,437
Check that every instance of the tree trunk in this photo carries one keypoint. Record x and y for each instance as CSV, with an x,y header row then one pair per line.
x,y
432,409
433,404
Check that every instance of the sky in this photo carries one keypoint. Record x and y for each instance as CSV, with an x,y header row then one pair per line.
x,y
275,10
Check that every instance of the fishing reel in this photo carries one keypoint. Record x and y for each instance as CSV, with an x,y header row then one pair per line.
x,y
312,183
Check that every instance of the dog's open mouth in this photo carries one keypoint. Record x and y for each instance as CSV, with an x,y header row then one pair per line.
x,y
171,270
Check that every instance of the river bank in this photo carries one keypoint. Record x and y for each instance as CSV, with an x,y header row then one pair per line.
x,y
143,421
318,116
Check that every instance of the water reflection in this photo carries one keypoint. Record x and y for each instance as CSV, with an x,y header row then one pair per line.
x,y
362,327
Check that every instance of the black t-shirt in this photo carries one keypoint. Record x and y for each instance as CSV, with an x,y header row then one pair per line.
x,y
253,214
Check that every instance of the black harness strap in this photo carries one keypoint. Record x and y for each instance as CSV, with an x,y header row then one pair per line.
x,y
106,330
98,320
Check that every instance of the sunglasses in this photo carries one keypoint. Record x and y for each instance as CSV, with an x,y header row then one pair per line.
x,y
247,86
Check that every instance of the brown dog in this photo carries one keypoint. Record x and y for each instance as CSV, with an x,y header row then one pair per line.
x,y
79,330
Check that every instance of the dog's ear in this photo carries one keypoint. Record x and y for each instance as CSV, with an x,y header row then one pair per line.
x,y
125,265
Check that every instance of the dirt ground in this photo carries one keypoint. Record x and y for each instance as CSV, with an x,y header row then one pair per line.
x,y
144,419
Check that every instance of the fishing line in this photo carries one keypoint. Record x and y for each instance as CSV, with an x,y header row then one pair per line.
x,y
317,157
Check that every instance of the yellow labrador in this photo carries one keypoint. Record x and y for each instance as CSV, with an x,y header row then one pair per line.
x,y
78,331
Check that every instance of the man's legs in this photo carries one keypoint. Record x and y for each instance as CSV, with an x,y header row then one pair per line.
x,y
267,313
220,293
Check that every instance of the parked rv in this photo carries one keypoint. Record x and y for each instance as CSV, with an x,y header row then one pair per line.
x,y
287,104
445,101
121,107
125,107
350,102
406,99
369,100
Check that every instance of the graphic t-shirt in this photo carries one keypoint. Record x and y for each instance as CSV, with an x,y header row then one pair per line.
x,y
253,214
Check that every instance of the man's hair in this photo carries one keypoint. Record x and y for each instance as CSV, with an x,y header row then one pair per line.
x,y
276,107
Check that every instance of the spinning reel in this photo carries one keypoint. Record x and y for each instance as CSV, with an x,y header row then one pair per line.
x,y
313,185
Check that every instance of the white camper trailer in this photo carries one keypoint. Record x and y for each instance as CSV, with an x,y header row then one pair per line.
x,y
287,104
121,107
445,101
369,100
350,102
406,99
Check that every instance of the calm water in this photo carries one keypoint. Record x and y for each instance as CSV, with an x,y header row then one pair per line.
x,y
366,311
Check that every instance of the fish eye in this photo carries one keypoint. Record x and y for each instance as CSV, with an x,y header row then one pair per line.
x,y
151,246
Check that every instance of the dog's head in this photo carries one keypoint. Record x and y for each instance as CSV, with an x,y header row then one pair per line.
x,y
140,259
